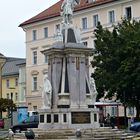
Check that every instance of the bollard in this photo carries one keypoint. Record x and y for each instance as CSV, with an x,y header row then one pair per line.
x,y
78,133
11,134
29,134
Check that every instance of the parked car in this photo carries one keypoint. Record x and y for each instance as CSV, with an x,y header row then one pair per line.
x,y
135,126
31,122
32,113
1,123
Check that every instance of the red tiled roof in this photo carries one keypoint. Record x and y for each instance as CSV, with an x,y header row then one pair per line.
x,y
54,10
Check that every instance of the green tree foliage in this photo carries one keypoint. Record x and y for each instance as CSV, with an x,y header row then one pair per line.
x,y
117,62
6,105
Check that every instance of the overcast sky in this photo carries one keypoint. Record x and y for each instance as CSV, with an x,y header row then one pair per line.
x,y
12,13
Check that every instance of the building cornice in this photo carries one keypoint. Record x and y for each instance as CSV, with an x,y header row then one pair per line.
x,y
77,12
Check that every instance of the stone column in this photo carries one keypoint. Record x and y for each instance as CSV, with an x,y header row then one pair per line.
x,y
82,80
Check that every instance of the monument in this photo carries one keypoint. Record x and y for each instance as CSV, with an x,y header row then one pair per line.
x,y
69,94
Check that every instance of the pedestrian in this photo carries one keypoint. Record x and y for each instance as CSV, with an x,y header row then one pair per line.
x,y
112,120
108,119
132,119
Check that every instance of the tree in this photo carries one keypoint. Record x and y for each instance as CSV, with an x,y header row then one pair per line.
x,y
117,62
6,105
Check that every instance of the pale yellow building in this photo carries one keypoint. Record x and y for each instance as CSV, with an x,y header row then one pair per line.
x,y
2,62
10,79
41,30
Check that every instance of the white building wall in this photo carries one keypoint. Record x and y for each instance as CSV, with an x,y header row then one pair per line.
x,y
34,98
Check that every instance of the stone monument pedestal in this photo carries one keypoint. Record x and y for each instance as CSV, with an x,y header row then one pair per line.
x,y
69,119
72,102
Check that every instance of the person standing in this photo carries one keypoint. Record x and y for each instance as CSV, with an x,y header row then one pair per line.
x,y
108,119
112,121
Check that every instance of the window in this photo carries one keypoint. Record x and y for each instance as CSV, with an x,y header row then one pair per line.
x,y
7,83
55,118
46,32
16,82
34,57
57,28
41,118
85,43
65,117
48,118
130,111
46,58
95,20
16,96
111,16
114,111
11,96
84,23
8,97
34,34
128,12
34,83
95,117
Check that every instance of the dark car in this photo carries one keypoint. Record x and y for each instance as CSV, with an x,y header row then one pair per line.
x,y
1,123
31,122
135,126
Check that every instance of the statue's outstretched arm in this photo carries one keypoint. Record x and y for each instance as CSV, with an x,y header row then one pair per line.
x,y
63,4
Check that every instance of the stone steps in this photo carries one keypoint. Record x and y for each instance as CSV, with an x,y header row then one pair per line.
x,y
88,134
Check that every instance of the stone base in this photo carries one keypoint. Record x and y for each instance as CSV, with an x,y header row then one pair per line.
x,y
68,126
69,118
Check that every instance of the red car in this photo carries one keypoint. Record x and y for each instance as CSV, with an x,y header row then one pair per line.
x,y
1,123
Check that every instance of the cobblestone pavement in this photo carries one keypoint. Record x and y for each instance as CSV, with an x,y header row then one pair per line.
x,y
3,133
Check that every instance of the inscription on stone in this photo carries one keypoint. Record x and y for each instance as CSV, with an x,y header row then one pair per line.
x,y
80,117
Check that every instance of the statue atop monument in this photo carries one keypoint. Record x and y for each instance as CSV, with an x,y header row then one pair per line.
x,y
47,93
67,8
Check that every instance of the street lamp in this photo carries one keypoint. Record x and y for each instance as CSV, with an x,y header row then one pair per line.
x,y
11,110
12,106
125,120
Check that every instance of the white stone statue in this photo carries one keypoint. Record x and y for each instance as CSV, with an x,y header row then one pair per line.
x,y
93,90
58,36
47,93
67,8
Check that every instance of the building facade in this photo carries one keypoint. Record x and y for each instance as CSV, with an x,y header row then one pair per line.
x,y
10,79
41,30
22,85
2,62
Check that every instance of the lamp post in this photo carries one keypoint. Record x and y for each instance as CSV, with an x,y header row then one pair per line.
x,y
125,121
12,106
11,110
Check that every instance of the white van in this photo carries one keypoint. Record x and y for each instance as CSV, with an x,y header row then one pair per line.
x,y
32,113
